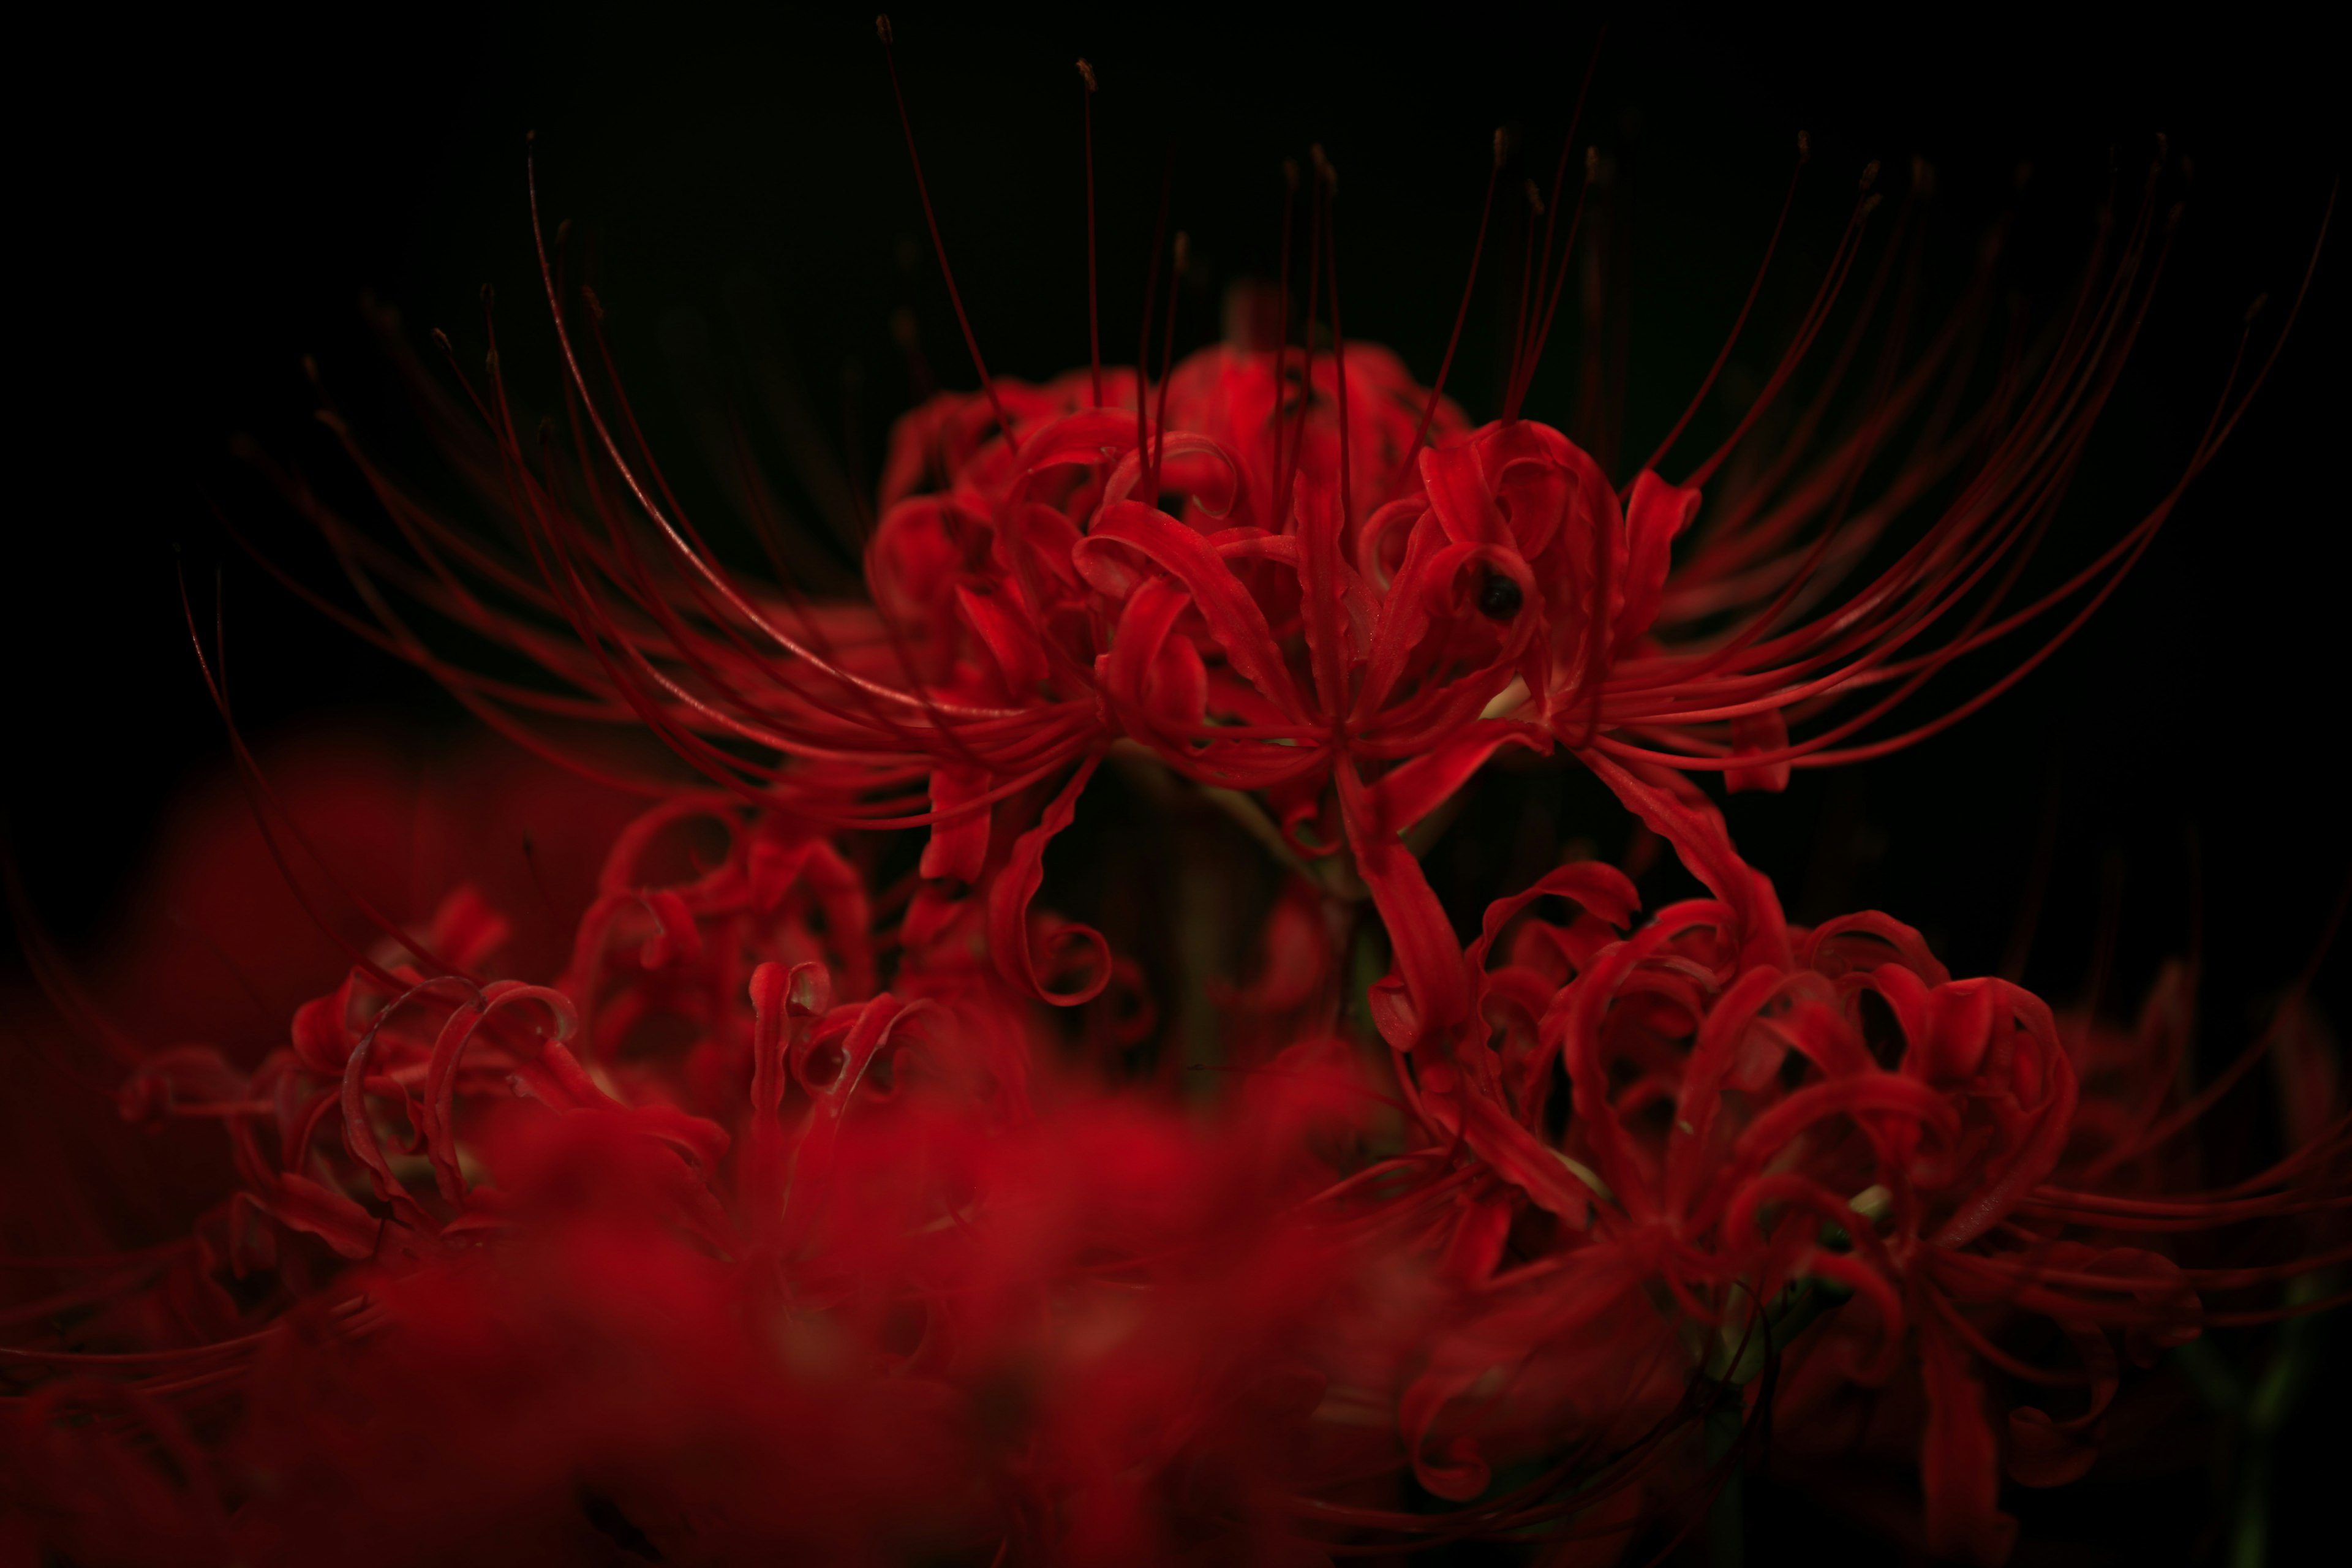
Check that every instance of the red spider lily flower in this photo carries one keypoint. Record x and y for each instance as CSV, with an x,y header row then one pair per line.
x,y
747,1204
707,1192
1756,1111
1304,580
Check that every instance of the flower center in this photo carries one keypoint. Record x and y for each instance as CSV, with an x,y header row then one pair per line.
x,y
1498,596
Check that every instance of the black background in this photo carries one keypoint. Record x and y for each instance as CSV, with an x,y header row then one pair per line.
x,y
202,202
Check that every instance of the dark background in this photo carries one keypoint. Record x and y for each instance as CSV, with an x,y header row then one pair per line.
x,y
204,201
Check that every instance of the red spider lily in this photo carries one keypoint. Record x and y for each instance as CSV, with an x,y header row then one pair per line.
x,y
1098,1329
772,1203
578,1215
1757,1111
1258,571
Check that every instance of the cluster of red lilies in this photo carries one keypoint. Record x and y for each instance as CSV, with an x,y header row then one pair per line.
x,y
793,1212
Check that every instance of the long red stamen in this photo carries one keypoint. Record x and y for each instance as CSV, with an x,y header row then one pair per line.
x,y
1143,332
1167,365
1529,286
1282,340
1339,335
258,794
1461,314
1307,370
699,565
1833,279
922,188
1524,366
1527,369
1755,287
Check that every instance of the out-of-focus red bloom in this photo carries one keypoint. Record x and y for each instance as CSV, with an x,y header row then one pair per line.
x,y
568,1287
711,1242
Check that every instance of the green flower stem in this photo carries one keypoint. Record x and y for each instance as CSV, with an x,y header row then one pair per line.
x,y
2250,1529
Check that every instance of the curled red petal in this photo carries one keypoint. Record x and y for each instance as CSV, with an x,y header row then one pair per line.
x,y
958,849
1421,785
1695,829
1009,940
1656,513
441,1071
1427,955
1233,617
